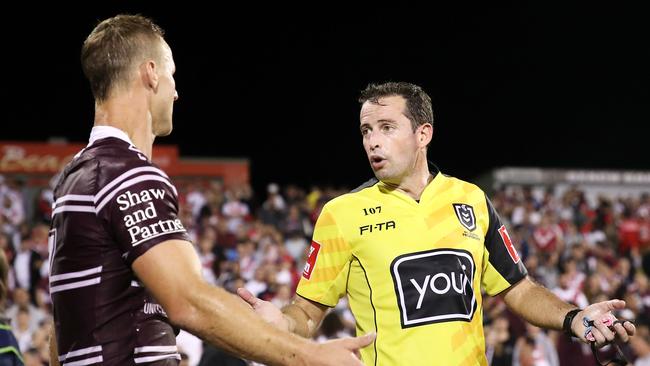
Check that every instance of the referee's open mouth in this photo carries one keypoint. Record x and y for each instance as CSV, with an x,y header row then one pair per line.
x,y
377,162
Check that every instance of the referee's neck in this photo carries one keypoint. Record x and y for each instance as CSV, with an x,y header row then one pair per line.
x,y
413,185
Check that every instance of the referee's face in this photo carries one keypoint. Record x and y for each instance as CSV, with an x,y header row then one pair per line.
x,y
388,138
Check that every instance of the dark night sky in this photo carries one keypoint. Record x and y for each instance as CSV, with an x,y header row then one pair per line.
x,y
530,85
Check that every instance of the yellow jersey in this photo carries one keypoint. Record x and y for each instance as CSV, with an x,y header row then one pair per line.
x,y
413,270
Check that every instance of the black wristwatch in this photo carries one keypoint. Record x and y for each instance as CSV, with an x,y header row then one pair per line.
x,y
568,319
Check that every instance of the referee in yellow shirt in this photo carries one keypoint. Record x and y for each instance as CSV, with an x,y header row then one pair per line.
x,y
412,249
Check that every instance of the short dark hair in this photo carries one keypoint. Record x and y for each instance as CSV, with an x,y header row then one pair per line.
x,y
418,103
114,46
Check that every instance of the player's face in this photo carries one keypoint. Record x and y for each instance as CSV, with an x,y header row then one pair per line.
x,y
163,101
388,139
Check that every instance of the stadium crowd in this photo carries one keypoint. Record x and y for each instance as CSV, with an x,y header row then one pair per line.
x,y
583,251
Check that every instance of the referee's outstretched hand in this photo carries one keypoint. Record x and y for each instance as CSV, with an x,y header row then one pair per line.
x,y
597,324
264,309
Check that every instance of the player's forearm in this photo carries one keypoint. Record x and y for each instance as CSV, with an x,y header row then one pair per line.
x,y
537,305
219,318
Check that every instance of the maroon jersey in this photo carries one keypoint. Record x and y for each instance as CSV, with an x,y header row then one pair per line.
x,y
111,206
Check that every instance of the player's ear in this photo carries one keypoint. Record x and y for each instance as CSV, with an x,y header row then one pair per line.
x,y
424,134
149,74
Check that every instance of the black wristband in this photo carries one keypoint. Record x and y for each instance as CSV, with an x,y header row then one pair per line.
x,y
568,319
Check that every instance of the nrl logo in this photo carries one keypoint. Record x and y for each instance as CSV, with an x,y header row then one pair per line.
x,y
465,214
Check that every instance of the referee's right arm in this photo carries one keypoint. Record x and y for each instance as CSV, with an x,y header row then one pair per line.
x,y
301,317
304,316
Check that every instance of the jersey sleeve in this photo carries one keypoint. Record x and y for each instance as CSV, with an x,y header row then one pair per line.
x,y
140,209
502,266
324,278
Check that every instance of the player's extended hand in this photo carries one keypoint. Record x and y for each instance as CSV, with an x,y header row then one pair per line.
x,y
342,351
606,328
265,309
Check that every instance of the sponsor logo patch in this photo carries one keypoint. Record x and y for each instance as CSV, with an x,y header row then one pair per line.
x,y
311,259
434,286
153,308
508,243
140,215
381,226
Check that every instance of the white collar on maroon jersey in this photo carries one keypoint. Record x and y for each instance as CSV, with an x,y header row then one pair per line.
x,y
102,132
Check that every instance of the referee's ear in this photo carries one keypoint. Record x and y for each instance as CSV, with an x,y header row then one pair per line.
x,y
424,134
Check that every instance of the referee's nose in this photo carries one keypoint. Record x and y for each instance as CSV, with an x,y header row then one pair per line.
x,y
372,141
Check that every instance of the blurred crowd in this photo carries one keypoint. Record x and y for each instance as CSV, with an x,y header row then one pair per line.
x,y
583,251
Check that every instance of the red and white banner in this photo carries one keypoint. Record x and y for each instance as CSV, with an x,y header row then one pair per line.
x,y
50,158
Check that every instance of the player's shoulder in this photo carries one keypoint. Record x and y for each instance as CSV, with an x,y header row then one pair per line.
x,y
123,169
116,153
114,165
102,161
117,158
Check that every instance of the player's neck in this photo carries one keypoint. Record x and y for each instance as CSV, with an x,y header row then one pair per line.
x,y
124,112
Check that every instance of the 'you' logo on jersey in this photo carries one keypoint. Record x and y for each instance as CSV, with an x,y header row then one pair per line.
x,y
434,286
